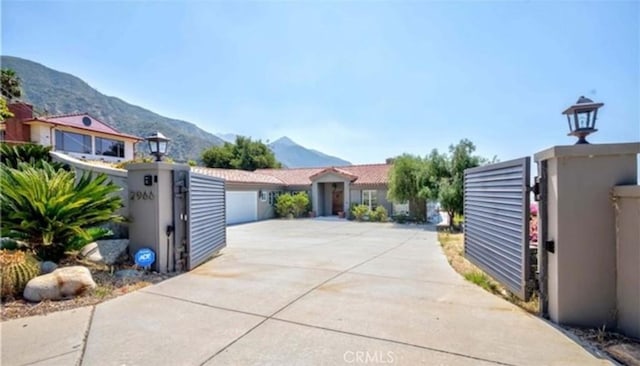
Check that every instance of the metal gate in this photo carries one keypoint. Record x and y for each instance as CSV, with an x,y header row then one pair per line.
x,y
496,222
199,214
207,232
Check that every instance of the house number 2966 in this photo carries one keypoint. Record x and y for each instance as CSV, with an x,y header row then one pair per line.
x,y
141,195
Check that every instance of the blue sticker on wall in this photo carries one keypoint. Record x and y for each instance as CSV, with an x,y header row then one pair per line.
x,y
145,257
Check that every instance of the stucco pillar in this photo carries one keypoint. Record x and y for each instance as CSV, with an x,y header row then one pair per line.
x,y
151,210
314,198
581,224
347,198
627,206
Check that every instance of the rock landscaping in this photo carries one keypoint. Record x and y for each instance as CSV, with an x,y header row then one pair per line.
x,y
63,283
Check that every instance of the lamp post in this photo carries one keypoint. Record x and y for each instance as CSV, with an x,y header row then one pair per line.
x,y
158,144
582,118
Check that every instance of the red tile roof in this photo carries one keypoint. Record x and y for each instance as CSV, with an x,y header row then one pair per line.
x,y
336,171
370,174
292,177
238,176
76,121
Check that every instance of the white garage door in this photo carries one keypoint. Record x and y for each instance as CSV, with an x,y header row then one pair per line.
x,y
241,206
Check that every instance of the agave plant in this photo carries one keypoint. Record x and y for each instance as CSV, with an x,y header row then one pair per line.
x,y
49,209
33,154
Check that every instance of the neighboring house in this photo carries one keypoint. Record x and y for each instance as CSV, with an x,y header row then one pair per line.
x,y
79,135
251,195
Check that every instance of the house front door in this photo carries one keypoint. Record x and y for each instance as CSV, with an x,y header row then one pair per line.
x,y
337,202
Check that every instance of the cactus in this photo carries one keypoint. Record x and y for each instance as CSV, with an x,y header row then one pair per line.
x,y
16,269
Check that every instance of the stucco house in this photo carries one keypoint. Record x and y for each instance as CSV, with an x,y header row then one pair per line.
x,y
250,195
80,135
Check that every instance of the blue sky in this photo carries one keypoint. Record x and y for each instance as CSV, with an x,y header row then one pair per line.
x,y
360,80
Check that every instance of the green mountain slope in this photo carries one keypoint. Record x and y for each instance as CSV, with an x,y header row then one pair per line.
x,y
56,92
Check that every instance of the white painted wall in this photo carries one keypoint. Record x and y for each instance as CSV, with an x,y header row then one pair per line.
x,y
41,134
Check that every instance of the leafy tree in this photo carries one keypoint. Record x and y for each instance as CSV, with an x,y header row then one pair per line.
x,y
49,209
10,84
244,154
4,110
406,183
438,177
451,195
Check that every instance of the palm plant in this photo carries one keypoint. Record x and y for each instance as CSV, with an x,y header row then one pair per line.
x,y
10,83
12,156
48,208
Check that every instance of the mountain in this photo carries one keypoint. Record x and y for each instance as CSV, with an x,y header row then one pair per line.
x,y
228,137
292,155
55,92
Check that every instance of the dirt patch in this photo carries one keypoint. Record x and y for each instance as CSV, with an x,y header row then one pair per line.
x,y
453,247
108,287
623,349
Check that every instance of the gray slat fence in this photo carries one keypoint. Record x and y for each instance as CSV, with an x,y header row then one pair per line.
x,y
207,228
496,222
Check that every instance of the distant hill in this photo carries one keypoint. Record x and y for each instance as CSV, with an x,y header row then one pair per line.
x,y
55,92
292,155
228,137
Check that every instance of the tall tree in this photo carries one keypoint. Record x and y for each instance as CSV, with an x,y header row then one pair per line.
x,y
244,154
461,157
406,180
4,110
10,84
438,177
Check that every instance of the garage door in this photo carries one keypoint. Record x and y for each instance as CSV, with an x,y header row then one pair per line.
x,y
242,206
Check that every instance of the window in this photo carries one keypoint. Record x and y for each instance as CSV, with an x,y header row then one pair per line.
x,y
108,147
73,142
370,198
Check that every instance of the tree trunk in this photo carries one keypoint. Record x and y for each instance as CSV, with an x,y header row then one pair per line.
x,y
418,209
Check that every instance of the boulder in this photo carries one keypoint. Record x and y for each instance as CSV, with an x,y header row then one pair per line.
x,y
63,283
47,267
104,251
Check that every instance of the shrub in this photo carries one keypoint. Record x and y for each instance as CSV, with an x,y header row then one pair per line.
x,y
300,204
142,159
47,208
360,211
401,218
284,205
32,154
16,269
379,214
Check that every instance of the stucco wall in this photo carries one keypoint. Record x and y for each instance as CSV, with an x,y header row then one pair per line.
x,y
627,208
41,134
381,195
117,176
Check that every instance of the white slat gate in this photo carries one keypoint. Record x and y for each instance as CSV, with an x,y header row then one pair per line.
x,y
496,222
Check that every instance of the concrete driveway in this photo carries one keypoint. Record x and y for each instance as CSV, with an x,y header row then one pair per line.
x,y
309,292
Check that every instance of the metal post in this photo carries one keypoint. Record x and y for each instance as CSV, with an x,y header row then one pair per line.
x,y
543,223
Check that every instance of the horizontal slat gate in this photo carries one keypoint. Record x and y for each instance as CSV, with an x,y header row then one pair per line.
x,y
496,222
207,222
